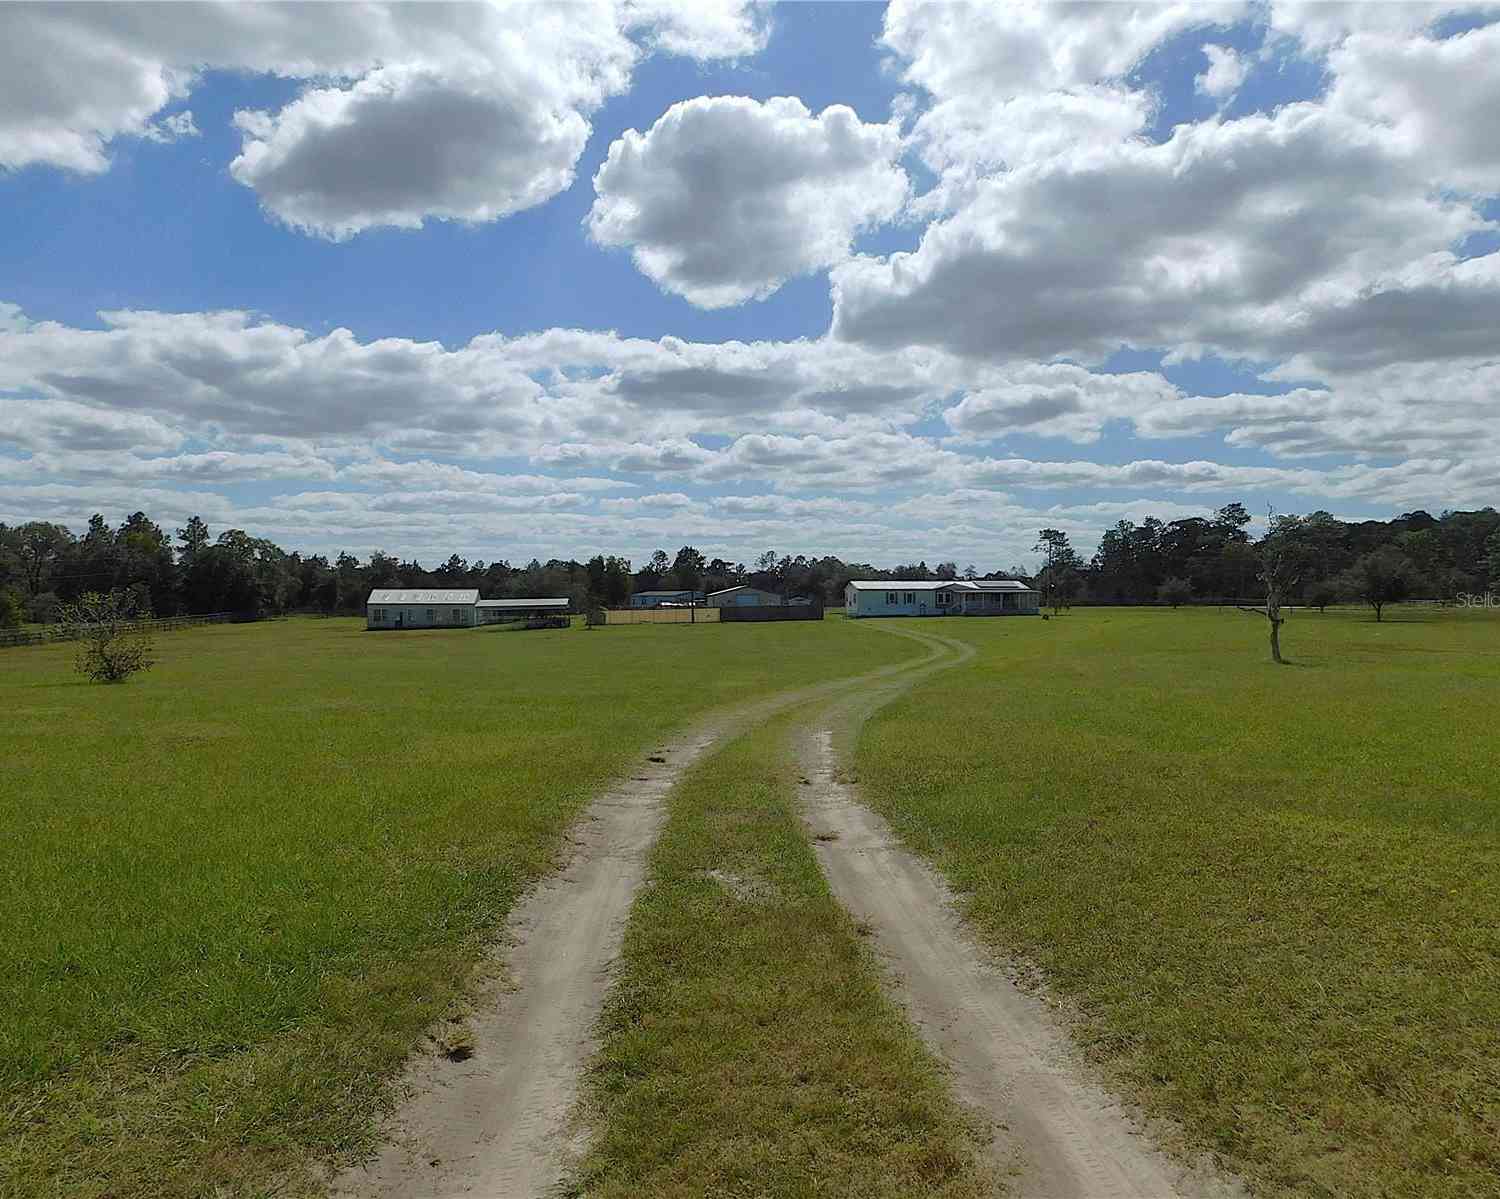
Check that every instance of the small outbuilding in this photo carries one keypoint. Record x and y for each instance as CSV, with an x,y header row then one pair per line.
x,y
666,599
928,597
418,608
452,608
744,597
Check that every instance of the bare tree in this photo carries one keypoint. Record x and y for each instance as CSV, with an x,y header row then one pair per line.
x,y
112,643
1280,569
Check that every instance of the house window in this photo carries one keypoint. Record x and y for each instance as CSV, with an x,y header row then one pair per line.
x,y
379,615
456,616
429,616
911,597
890,597
944,599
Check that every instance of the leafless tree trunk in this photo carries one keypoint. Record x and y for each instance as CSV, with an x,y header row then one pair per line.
x,y
1277,573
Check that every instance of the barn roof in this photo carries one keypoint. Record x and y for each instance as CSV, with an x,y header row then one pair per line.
x,y
551,601
418,595
737,587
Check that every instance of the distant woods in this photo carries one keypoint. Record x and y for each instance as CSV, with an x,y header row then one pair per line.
x,y
1317,560
192,570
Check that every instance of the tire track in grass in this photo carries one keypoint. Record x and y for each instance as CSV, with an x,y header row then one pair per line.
x,y
488,1111
748,1048
1063,1135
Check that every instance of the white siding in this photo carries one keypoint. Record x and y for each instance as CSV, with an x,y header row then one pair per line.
x,y
898,601
419,616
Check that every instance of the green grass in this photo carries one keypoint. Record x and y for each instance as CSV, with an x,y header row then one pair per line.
x,y
748,1048
235,890
1271,892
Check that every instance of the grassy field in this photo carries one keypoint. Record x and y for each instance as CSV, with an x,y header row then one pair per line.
x,y
748,1048
1270,892
235,890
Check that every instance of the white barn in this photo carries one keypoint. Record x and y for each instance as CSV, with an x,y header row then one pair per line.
x,y
419,608
932,597
744,596
451,608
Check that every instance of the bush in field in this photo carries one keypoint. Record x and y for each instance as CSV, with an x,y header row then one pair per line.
x,y
11,610
1320,595
112,644
1175,591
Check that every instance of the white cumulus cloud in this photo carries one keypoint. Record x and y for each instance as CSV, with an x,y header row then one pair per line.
x,y
725,198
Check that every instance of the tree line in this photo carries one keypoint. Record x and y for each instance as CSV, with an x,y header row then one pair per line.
x,y
1214,559
190,570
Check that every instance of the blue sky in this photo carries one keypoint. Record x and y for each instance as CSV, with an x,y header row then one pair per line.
x,y
1048,269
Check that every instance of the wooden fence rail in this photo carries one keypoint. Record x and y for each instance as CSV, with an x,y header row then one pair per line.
x,y
48,634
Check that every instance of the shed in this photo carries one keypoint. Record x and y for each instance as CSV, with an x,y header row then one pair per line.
x,y
662,599
744,596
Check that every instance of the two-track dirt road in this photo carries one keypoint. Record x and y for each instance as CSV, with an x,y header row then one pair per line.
x,y
500,1123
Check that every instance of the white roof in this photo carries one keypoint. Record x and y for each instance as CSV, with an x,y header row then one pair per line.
x,y
465,595
551,601
937,584
740,587
997,585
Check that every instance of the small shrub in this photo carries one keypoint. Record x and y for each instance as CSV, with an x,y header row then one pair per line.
x,y
112,644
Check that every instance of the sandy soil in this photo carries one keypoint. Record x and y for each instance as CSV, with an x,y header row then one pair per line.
x,y
1059,1133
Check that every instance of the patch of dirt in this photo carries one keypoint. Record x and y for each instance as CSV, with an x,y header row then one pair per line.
x,y
746,888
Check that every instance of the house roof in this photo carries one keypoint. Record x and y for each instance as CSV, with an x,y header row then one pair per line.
x,y
680,591
551,601
737,587
938,584
461,596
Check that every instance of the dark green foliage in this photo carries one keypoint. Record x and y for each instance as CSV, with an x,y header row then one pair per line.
x,y
1380,578
11,609
1175,591
1321,594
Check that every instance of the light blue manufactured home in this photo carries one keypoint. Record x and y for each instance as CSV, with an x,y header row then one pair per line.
x,y
930,597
